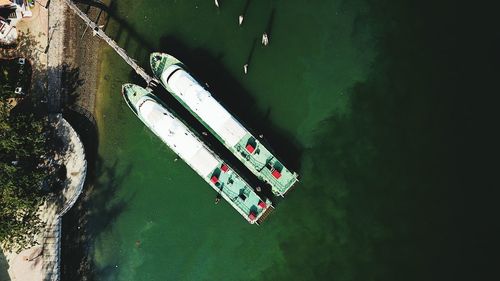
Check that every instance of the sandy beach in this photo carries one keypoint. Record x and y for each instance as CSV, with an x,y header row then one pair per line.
x,y
82,55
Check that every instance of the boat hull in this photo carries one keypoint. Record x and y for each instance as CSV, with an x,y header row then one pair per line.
x,y
246,147
187,145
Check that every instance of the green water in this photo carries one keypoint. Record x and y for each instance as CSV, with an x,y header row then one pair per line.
x,y
348,93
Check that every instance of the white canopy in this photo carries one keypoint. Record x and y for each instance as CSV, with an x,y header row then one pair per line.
x,y
178,137
204,105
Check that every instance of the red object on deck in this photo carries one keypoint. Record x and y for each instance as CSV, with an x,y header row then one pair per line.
x,y
251,216
214,179
262,204
276,174
224,168
250,148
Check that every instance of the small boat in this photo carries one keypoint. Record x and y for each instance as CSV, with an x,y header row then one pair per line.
x,y
265,39
186,144
247,148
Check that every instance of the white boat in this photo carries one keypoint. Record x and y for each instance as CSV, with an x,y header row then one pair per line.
x,y
186,144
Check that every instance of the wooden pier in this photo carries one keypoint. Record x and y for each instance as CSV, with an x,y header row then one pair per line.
x,y
120,51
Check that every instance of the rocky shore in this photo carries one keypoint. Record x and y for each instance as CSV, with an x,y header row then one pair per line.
x,y
81,52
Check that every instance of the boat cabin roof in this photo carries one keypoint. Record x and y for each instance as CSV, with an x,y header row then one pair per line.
x,y
202,103
178,137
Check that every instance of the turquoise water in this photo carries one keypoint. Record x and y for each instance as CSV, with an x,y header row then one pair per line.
x,y
347,93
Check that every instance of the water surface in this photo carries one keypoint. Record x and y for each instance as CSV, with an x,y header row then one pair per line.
x,y
347,93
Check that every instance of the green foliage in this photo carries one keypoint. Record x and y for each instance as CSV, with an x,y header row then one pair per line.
x,y
23,148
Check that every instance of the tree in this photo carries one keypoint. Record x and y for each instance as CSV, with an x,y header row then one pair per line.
x,y
24,146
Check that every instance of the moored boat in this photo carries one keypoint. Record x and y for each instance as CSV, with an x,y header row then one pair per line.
x,y
246,147
186,144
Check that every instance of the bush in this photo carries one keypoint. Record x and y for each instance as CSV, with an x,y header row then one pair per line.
x,y
24,151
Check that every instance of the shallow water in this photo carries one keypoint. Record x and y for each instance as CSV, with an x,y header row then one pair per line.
x,y
347,93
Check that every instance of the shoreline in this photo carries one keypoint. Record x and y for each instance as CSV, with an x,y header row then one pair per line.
x,y
83,53
83,57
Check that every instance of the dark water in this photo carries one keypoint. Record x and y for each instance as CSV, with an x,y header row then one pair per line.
x,y
370,101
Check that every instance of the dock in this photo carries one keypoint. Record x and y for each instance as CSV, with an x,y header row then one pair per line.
x,y
97,31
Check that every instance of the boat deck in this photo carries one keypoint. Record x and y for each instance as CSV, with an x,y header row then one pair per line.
x,y
233,188
263,162
249,150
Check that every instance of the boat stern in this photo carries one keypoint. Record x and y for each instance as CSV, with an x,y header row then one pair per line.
x,y
263,210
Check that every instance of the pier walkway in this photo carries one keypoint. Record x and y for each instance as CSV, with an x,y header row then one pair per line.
x,y
73,158
119,50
